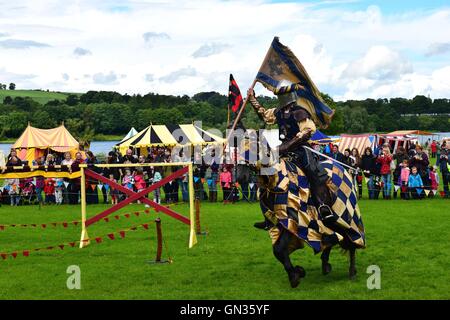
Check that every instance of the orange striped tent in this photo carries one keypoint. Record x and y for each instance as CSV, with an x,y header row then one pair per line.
x,y
358,141
34,142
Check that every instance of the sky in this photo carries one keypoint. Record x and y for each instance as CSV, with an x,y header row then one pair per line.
x,y
351,49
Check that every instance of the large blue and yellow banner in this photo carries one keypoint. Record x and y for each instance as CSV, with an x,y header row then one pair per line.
x,y
281,64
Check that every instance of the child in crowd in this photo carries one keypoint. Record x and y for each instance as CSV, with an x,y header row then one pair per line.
x,y
434,178
139,181
59,187
14,191
114,192
415,183
28,191
128,180
157,193
404,179
225,182
49,190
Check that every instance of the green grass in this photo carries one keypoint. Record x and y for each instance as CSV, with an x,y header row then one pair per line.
x,y
408,240
40,96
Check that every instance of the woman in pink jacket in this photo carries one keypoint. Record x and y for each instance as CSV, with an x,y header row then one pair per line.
x,y
385,159
225,182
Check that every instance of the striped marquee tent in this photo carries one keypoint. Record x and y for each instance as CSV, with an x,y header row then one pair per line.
x,y
358,141
169,135
34,142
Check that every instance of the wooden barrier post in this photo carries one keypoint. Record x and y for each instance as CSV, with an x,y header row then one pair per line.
x,y
192,235
198,228
159,245
159,239
84,241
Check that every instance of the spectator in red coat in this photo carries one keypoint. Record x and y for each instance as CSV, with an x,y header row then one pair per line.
x,y
49,190
433,149
385,159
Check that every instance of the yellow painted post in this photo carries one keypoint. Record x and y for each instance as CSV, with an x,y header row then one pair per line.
x,y
192,236
84,235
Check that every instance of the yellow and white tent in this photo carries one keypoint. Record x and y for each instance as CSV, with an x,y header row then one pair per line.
x,y
169,135
34,142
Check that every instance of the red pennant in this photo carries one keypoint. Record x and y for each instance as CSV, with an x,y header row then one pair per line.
x,y
147,211
145,226
106,219
14,254
65,224
111,236
26,253
3,255
442,193
2,227
72,244
61,246
43,226
75,223
98,240
93,186
122,234
50,248
137,214
117,217
127,215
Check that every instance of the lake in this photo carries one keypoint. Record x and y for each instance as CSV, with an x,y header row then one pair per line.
x,y
96,147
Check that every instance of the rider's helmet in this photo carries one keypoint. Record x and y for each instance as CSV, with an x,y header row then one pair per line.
x,y
284,93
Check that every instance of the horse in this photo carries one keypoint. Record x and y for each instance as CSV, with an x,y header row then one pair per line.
x,y
285,202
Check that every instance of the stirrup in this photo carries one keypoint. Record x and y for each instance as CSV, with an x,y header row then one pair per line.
x,y
330,212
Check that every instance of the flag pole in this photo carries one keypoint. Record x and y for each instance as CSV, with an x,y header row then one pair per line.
x,y
238,117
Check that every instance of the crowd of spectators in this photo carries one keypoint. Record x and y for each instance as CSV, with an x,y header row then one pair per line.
x,y
236,182
408,173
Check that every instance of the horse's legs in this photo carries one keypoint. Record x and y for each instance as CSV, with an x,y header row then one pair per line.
x,y
352,269
281,252
326,267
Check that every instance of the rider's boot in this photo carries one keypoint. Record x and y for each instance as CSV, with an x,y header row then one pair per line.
x,y
265,225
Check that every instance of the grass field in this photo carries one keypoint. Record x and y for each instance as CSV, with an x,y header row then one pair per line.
x,y
40,96
408,240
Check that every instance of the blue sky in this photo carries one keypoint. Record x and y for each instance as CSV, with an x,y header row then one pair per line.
x,y
386,6
351,49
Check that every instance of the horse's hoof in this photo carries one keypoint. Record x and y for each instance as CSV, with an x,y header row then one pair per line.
x,y
294,279
326,268
301,271
352,274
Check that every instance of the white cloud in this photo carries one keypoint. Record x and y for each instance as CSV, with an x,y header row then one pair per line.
x,y
438,48
195,45
379,63
81,52
209,49
21,44
108,79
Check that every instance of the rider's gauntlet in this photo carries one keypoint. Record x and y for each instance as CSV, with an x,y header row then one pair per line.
x,y
258,108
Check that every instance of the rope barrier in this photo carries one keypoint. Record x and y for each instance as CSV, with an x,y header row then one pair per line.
x,y
66,224
98,240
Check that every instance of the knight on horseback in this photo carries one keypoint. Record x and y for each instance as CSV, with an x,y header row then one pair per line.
x,y
295,129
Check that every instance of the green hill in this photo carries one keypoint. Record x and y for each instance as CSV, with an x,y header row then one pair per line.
x,y
38,95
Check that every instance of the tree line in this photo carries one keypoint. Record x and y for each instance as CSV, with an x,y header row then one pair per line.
x,y
97,113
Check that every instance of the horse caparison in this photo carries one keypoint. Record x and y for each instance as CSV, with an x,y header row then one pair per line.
x,y
286,203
